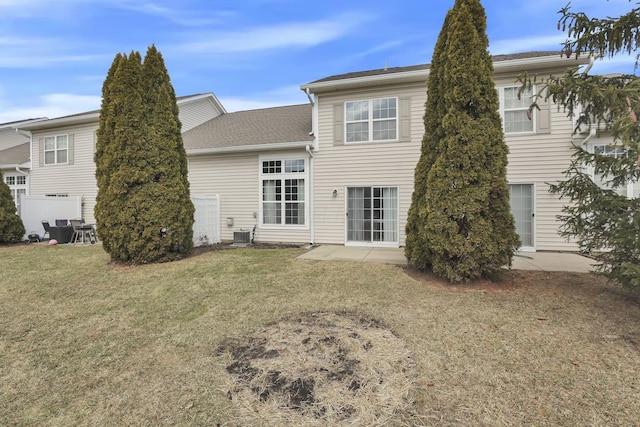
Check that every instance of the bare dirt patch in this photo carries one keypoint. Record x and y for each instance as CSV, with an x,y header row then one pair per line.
x,y
321,368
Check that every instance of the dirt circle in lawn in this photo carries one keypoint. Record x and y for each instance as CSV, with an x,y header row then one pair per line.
x,y
321,368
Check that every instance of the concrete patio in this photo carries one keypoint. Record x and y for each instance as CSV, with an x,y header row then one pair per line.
x,y
542,261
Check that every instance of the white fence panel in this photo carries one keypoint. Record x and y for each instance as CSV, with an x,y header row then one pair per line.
x,y
35,209
206,227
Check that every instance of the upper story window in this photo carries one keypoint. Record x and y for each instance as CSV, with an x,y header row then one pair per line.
x,y
283,192
56,149
514,111
371,120
617,152
632,189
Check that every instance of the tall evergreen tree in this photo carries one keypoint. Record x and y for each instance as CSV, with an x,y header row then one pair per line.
x,y
11,226
602,220
464,220
143,210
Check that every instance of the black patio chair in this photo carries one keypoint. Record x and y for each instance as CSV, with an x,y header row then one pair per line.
x,y
45,224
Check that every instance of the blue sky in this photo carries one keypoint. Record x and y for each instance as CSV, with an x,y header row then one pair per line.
x,y
54,55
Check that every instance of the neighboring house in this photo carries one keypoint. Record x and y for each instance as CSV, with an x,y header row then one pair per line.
x,y
15,157
259,162
351,184
369,129
339,170
62,150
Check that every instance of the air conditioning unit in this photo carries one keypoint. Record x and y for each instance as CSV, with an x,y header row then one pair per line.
x,y
242,237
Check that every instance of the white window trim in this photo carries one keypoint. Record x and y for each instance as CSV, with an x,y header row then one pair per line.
x,y
590,170
15,186
370,121
534,207
502,110
55,150
372,244
291,175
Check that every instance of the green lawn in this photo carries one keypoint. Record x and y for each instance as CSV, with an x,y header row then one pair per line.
x,y
85,342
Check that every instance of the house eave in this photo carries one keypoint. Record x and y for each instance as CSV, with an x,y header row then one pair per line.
x,y
13,166
503,67
94,116
279,146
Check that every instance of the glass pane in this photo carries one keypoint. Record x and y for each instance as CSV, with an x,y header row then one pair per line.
x,y
271,191
384,130
511,98
384,108
49,143
271,213
294,213
10,180
272,166
61,141
62,156
294,166
21,180
517,121
50,157
357,132
294,189
357,110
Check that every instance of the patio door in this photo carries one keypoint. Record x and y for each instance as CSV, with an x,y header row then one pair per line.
x,y
372,215
521,198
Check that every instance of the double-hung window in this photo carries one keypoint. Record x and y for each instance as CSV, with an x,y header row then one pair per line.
x,y
371,120
515,110
283,192
632,189
56,149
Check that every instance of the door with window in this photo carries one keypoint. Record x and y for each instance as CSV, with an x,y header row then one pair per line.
x,y
372,216
521,198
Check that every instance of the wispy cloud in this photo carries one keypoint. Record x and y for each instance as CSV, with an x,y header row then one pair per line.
x,y
380,48
287,95
278,36
51,105
550,42
34,52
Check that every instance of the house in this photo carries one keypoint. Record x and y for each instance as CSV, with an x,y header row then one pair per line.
x,y
351,184
62,150
15,156
340,169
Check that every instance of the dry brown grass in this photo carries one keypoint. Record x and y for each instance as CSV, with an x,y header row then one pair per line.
x,y
83,342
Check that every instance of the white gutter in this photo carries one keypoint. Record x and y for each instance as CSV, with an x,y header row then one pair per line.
x,y
245,148
312,227
308,93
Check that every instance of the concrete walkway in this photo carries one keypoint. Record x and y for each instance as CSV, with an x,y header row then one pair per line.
x,y
542,261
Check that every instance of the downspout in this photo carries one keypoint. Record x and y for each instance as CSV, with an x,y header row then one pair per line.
x,y
583,145
311,197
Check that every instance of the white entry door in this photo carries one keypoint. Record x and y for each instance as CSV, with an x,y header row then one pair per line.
x,y
521,197
372,215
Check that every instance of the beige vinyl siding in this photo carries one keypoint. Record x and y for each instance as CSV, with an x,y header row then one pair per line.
x,y
196,112
364,164
235,178
540,159
75,179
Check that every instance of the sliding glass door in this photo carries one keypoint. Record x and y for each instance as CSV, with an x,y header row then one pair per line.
x,y
372,215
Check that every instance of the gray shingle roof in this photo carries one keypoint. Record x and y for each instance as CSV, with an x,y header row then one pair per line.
x,y
391,70
291,123
15,155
